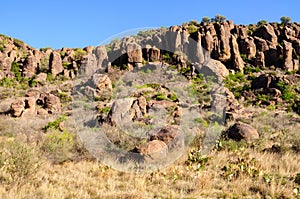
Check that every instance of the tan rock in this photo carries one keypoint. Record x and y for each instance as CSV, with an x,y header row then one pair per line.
x,y
52,103
236,59
287,56
17,108
55,63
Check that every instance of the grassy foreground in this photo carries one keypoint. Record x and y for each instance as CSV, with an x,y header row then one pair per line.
x,y
55,165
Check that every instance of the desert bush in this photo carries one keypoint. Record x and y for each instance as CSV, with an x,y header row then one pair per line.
x,y
205,19
18,161
196,160
79,52
59,146
261,23
55,124
192,28
285,20
218,18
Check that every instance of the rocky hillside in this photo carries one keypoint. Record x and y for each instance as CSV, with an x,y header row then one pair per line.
x,y
153,94
263,60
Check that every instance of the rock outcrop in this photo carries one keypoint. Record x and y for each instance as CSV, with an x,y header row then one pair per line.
x,y
242,131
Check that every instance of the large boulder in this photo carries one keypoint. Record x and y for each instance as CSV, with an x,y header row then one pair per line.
x,y
55,63
30,66
88,65
167,134
102,85
151,54
17,108
242,131
134,52
264,81
153,150
101,56
52,103
214,68
120,113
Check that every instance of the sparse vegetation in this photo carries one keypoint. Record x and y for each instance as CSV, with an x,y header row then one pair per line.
x,y
261,23
218,18
285,20
205,19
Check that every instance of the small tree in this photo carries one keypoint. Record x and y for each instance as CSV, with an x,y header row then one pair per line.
x,y
261,23
194,22
218,18
205,19
285,20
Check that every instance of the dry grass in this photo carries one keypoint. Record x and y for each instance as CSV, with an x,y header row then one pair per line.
x,y
243,171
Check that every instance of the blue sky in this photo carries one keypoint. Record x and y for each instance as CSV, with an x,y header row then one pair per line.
x,y
74,23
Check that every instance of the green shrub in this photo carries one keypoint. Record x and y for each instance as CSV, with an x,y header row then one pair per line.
x,y
172,97
55,124
205,19
288,93
18,161
241,167
1,48
195,157
285,20
192,28
104,110
167,58
194,22
79,53
297,178
160,96
15,68
59,145
218,18
261,23
250,69
244,58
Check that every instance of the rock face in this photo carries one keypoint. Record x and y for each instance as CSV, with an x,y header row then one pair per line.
x,y
287,56
55,64
30,66
241,131
267,33
236,59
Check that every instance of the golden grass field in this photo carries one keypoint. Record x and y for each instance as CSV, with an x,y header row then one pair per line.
x,y
37,165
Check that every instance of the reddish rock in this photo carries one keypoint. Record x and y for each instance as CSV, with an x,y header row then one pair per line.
x,y
236,59
241,131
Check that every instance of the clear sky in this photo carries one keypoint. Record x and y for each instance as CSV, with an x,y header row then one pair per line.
x,y
80,23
